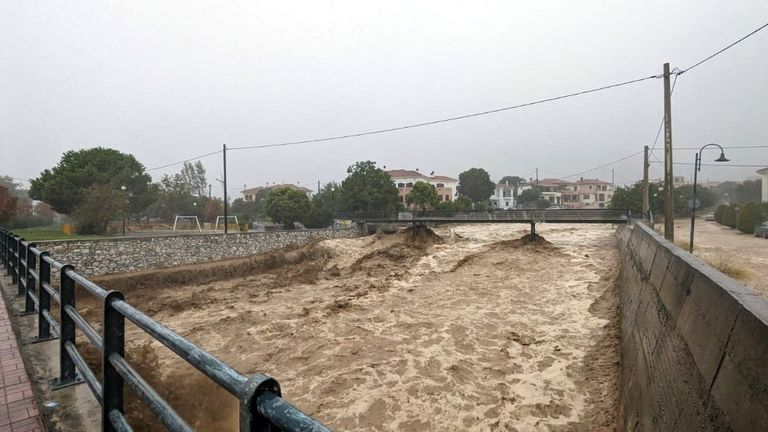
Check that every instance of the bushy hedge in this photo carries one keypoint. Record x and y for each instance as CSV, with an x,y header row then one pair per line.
x,y
731,215
749,217
719,212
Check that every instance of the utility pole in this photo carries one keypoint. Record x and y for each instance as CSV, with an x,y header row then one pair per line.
x,y
669,195
645,183
537,177
613,177
226,219
209,192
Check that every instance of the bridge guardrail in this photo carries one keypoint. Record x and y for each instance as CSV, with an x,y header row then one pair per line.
x,y
608,215
262,407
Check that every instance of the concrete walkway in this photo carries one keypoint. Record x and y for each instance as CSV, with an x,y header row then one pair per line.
x,y
18,409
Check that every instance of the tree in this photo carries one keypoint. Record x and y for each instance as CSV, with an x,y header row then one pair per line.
x,y
476,184
631,197
462,203
368,188
330,196
213,207
286,206
515,182
529,198
423,196
100,205
7,205
684,195
63,187
248,211
731,216
719,212
749,217
318,216
192,178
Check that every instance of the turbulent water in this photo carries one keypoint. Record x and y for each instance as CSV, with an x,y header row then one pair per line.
x,y
467,329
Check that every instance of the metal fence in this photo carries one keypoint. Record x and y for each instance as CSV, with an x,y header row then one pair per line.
x,y
497,216
262,407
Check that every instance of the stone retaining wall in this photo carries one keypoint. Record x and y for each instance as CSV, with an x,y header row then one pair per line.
x,y
97,257
694,342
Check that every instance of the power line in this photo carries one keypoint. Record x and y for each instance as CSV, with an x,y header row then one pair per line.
x,y
718,164
185,160
449,119
724,49
728,147
605,165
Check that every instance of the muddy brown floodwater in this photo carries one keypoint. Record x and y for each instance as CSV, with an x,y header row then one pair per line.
x,y
464,329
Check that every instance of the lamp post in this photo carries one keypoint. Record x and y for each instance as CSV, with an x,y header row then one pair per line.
x,y
333,209
696,169
123,188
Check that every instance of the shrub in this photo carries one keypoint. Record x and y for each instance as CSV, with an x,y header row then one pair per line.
x,y
719,212
730,217
749,217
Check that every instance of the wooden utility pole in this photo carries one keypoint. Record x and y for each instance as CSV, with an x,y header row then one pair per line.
x,y
645,184
669,179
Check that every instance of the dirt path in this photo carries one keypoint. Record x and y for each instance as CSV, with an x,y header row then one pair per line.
x,y
720,245
465,331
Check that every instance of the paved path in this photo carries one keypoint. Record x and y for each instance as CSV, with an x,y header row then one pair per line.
x,y
18,409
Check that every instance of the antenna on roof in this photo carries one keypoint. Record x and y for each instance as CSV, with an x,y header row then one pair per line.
x,y
417,170
432,173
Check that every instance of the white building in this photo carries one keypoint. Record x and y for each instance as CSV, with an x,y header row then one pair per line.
x,y
764,174
503,197
405,179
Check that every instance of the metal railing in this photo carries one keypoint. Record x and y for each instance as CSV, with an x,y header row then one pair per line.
x,y
608,215
262,407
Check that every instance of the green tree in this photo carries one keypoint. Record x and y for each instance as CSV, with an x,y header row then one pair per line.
x,y
749,217
63,187
368,188
719,212
631,197
330,196
318,216
423,196
530,198
731,215
684,195
192,178
101,204
515,182
476,184
286,206
462,203
7,205
249,211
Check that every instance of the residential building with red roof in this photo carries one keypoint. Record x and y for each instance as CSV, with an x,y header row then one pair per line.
x,y
405,179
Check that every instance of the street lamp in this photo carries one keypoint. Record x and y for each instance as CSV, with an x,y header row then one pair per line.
x,y
696,169
123,188
333,208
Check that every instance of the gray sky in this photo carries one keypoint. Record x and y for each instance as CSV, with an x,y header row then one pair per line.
x,y
173,79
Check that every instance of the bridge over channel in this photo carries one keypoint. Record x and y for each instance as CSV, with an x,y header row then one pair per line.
x,y
529,216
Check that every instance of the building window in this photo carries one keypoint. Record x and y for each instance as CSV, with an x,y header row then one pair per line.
x,y
447,197
585,196
507,193
440,198
401,185
402,198
590,187
409,185
601,197
602,205
440,185
249,197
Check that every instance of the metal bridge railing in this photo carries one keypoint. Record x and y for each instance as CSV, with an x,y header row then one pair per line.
x,y
517,215
262,407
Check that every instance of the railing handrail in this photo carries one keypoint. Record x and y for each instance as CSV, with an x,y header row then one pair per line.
x,y
31,269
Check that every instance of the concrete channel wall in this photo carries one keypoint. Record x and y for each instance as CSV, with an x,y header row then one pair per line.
x,y
694,342
98,257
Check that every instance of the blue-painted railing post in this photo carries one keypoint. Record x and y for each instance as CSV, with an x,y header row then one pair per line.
x,y
21,274
31,258
15,259
67,372
250,418
113,336
44,299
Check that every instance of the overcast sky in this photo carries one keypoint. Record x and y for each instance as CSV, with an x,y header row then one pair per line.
x,y
166,80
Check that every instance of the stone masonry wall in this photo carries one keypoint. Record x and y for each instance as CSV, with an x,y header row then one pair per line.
x,y
98,257
694,342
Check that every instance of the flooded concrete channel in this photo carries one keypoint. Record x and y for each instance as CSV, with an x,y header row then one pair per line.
x,y
469,327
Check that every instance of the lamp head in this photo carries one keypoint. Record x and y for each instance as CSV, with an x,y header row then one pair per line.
x,y
722,157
